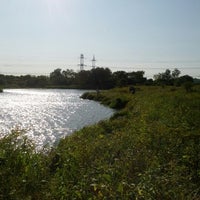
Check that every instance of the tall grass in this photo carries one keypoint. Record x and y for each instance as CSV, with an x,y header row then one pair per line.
x,y
147,150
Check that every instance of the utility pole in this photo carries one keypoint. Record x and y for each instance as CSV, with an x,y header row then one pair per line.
x,y
82,62
93,62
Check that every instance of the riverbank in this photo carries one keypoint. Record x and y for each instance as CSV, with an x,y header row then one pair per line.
x,y
149,149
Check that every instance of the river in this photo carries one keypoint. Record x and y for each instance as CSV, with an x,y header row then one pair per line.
x,y
48,114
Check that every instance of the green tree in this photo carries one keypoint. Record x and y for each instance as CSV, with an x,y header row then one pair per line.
x,y
101,78
69,76
120,78
82,78
56,77
185,78
2,79
42,81
136,77
164,78
175,73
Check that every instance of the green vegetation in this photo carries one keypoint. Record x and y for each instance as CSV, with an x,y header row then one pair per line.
x,y
149,149
115,101
98,78
1,90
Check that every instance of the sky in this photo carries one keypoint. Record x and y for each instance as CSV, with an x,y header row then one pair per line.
x,y
38,36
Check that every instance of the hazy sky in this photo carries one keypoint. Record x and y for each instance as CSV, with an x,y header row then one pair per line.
x,y
38,36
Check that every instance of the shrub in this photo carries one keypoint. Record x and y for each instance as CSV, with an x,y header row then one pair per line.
x,y
118,103
22,170
188,86
87,95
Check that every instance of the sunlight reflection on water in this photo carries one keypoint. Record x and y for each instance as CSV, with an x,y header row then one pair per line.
x,y
47,115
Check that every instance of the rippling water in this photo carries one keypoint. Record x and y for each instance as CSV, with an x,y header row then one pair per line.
x,y
47,115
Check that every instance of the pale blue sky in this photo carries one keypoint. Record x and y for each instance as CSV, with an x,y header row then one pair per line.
x,y
37,36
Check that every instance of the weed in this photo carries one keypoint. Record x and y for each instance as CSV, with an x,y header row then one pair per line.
x,y
148,150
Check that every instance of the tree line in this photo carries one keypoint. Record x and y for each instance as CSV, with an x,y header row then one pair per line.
x,y
97,78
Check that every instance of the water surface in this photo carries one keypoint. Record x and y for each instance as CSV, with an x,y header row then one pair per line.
x,y
47,115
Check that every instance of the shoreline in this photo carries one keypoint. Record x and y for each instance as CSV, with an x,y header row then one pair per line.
x,y
150,142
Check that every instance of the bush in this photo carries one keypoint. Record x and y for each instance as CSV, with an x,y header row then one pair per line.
x,y
188,86
118,103
22,170
88,95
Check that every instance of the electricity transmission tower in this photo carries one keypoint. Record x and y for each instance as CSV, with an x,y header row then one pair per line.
x,y
93,62
82,62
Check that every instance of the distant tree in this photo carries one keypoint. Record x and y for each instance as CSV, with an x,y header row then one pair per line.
x,y
69,76
164,78
29,81
56,77
196,81
2,79
175,73
149,81
42,81
120,78
183,79
82,79
136,77
167,75
101,78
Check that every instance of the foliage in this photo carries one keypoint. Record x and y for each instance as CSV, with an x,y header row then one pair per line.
x,y
147,150
172,78
164,78
136,78
184,79
23,173
175,73
120,78
113,100
97,78
188,86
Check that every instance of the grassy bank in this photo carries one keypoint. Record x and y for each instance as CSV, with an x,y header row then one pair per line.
x,y
148,150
